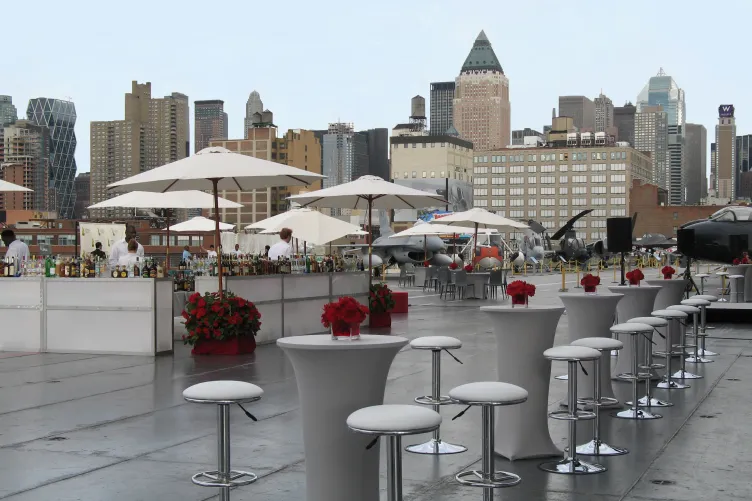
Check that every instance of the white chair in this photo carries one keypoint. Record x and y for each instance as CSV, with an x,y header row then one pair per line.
x,y
436,344
649,400
634,330
698,333
683,344
224,394
393,421
596,447
488,395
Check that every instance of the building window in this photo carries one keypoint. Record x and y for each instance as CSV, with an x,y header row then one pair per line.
x,y
532,180
618,178
563,201
516,180
563,212
548,168
498,192
61,239
498,202
155,240
579,168
516,202
480,202
516,213
598,179
478,180
480,192
598,201
532,169
578,202
516,169
579,179
516,192
579,190
563,190
617,190
547,201
548,179
433,173
415,174
598,167
498,169
480,170
548,191
563,168
531,213
618,201
598,224
547,212
601,190
499,180
532,191
564,179
618,212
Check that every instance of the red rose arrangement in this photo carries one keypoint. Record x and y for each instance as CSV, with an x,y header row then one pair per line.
x,y
425,264
668,272
635,276
380,298
212,317
469,268
343,314
590,282
453,266
743,260
736,261
520,291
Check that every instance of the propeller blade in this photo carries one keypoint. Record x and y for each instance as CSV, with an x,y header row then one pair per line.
x,y
564,229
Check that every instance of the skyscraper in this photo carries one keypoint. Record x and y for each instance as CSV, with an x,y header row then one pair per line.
x,y
377,146
344,155
580,109
155,132
697,152
651,134
83,195
25,160
253,105
442,107
210,123
663,90
744,166
60,118
604,113
518,136
482,112
725,151
8,112
624,121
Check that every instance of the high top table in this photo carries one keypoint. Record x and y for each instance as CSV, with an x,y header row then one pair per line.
x,y
591,315
336,378
522,335
741,269
671,293
638,301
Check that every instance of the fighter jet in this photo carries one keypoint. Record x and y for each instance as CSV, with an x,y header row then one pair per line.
x,y
721,238
536,243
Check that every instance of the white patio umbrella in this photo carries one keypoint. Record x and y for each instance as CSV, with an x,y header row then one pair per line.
x,y
369,192
6,186
217,169
308,225
192,199
200,224
480,218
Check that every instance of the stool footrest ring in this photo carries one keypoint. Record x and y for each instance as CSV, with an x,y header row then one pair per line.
x,y
429,400
236,479
496,480
579,415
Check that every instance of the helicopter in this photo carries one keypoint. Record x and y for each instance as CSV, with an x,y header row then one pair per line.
x,y
536,243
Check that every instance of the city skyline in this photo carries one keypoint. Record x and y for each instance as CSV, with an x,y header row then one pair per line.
x,y
367,93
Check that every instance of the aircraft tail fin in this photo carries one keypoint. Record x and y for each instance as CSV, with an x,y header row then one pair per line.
x,y
384,228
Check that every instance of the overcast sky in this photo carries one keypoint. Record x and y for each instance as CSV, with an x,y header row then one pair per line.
x,y
319,62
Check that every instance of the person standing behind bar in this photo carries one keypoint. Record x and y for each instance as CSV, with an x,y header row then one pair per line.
x,y
98,253
16,248
121,248
282,248
132,256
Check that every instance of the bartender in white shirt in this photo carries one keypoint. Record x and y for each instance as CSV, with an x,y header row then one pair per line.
x,y
121,248
211,253
283,247
132,256
16,248
237,250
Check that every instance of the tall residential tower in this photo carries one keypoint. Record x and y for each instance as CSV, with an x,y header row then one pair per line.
x,y
442,107
725,151
210,123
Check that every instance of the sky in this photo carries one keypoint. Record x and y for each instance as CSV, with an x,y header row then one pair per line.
x,y
361,62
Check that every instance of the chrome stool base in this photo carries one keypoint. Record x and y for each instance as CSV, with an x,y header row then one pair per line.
x,y
654,402
685,375
638,414
706,353
672,385
699,360
429,400
563,377
599,448
571,466
216,481
435,447
497,479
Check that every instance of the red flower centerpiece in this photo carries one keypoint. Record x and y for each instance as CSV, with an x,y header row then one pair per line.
x,y
380,303
520,291
469,268
344,317
425,264
220,326
453,266
668,272
736,261
744,259
635,276
590,282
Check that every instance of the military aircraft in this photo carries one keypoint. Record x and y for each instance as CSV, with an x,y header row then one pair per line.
x,y
536,243
721,238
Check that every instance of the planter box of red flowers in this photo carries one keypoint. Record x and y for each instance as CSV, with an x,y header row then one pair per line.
x,y
520,291
668,272
635,276
589,282
221,326
380,303
344,318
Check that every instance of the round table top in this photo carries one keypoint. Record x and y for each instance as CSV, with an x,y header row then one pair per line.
x,y
634,289
325,342
589,297
520,309
662,283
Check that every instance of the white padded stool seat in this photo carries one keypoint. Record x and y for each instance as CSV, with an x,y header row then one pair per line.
x,y
488,392
651,321
599,343
690,310
669,314
214,392
695,302
569,353
721,273
630,327
394,420
435,343
706,297
701,275
736,276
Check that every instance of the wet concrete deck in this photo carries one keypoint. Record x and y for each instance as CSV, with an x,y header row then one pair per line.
x,y
86,428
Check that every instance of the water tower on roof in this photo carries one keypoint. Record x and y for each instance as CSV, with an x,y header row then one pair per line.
x,y
418,112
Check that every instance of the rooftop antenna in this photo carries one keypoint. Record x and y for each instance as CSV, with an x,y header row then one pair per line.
x,y
661,73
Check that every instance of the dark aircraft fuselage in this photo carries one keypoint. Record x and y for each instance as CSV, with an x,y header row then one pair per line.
x,y
722,238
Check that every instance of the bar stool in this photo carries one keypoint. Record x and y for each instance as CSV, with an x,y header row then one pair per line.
x,y
674,318
635,330
436,344
723,289
739,287
696,358
702,277
571,465
488,395
683,344
223,394
393,421
596,447
649,400
704,327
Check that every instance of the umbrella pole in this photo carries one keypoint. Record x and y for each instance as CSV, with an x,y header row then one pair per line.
x,y
475,246
370,242
167,261
425,249
216,236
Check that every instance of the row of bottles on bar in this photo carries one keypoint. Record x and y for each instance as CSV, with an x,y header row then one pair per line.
x,y
235,265
146,269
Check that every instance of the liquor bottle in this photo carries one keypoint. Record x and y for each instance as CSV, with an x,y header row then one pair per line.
x,y
116,272
84,269
160,270
12,267
123,272
137,269
153,270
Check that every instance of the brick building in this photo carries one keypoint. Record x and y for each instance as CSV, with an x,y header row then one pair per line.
x,y
654,215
